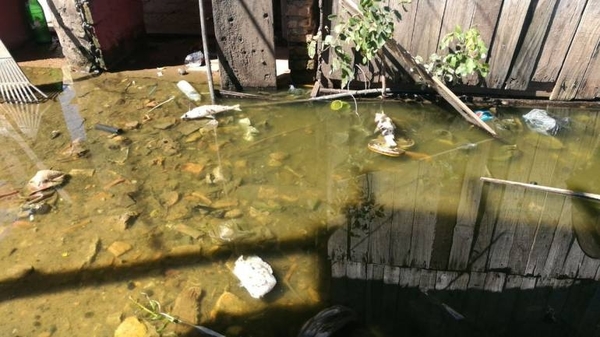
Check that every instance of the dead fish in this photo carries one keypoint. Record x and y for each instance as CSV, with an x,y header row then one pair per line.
x,y
386,126
209,111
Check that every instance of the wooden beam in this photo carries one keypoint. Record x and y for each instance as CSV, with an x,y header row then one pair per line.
x,y
420,74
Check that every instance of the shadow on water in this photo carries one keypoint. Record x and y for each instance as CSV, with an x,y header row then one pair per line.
x,y
417,246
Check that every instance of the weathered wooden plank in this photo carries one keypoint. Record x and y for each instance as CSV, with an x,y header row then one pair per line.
x,y
572,261
588,325
356,270
409,277
554,305
492,294
590,88
561,260
524,64
402,217
458,13
418,72
375,292
468,209
403,30
505,41
542,171
391,275
375,272
426,207
526,316
546,230
483,240
589,268
474,295
427,281
480,14
561,243
338,269
379,246
504,233
578,300
451,289
583,50
337,245
504,306
562,29
359,225
391,298
428,23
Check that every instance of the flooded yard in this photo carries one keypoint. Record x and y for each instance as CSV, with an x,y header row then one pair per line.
x,y
163,208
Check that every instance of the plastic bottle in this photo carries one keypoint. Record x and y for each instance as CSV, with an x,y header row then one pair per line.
x,y
38,22
195,59
189,91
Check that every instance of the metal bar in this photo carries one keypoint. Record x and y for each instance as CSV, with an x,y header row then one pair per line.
x,y
211,87
584,195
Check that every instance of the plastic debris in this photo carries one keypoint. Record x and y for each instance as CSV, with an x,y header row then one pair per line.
x,y
249,130
255,275
194,60
484,115
539,121
189,91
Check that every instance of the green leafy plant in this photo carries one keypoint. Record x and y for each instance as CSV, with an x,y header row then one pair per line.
x,y
153,312
466,56
363,34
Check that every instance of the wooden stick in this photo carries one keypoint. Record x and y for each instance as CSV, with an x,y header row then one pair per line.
x,y
584,195
408,62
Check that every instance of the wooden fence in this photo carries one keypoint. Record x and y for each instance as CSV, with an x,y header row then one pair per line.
x,y
430,227
544,48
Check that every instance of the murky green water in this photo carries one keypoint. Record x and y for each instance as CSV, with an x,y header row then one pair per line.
x,y
170,204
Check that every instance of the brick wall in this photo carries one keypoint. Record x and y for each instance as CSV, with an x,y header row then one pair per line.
x,y
298,21
301,21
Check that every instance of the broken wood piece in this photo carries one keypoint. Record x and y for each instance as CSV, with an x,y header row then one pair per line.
x,y
408,62
584,195
348,93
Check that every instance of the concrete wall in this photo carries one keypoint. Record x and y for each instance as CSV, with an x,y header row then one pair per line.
x,y
246,43
294,21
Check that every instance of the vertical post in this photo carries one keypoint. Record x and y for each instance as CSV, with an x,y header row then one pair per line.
x,y
211,87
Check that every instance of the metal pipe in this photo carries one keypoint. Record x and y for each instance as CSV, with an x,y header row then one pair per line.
x,y
108,128
211,87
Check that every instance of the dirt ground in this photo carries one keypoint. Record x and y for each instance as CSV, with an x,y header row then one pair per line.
x,y
159,54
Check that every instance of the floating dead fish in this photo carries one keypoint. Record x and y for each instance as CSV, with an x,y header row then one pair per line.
x,y
45,179
208,111
386,126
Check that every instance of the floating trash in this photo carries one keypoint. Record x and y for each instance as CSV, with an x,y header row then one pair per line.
x,y
484,115
194,60
189,91
338,105
539,121
255,275
386,126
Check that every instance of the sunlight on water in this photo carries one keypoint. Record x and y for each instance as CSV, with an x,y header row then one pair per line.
x,y
168,204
